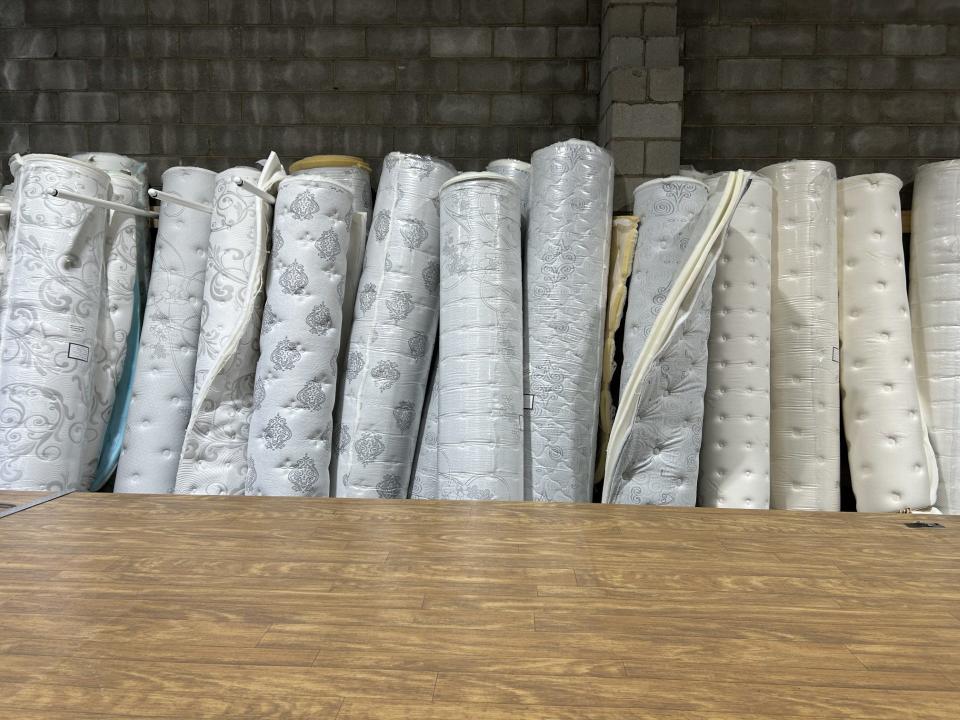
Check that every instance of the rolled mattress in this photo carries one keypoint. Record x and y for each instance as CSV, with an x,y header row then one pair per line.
x,y
213,460
394,329
804,340
291,427
735,453
646,462
55,288
423,481
519,172
163,383
565,289
935,310
480,440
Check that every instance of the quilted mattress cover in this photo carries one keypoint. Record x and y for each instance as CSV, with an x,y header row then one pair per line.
x,y
935,310
163,384
213,460
648,454
804,340
56,286
892,465
735,453
6,207
424,481
519,172
668,209
116,317
394,329
623,242
565,298
291,427
480,441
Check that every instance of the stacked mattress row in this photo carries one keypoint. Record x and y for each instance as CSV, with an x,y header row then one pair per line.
x,y
71,277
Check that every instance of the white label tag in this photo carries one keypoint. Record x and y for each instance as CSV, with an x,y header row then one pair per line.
x,y
75,351
836,354
528,402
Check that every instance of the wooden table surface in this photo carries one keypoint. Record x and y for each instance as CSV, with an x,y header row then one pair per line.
x,y
126,606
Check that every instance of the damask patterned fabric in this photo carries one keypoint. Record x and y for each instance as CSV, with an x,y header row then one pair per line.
x,y
424,482
567,254
804,340
291,425
6,207
657,428
163,387
56,286
935,311
214,456
519,172
892,465
394,328
735,454
480,441
113,328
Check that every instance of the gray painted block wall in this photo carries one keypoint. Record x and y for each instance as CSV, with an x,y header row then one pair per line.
x,y
219,82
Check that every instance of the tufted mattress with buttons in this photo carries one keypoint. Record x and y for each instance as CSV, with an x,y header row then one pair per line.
x,y
214,456
935,310
163,384
892,466
288,451
565,289
55,288
804,340
623,243
658,421
480,441
394,330
735,454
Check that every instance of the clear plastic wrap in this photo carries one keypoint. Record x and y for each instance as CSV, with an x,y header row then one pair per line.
x,y
565,299
804,340
519,172
480,440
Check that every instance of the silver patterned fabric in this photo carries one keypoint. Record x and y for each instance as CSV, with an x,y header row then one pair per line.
x,y
394,329
214,456
291,425
423,483
163,384
567,253
655,441
480,441
56,286
519,172
668,210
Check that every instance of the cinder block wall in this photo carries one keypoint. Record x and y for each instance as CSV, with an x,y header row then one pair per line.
x,y
217,82
870,84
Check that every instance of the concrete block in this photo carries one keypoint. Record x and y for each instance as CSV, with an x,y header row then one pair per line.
x,y
628,84
164,12
935,73
532,42
147,42
748,74
553,75
879,73
491,12
29,107
886,10
59,138
398,42
746,142
275,42
440,141
621,52
211,42
210,107
666,84
460,109
46,13
914,39
660,20
461,42
118,74
913,107
934,142
28,43
578,42
520,109
364,75
86,42
648,120
366,12
43,75
815,73
168,74
268,108
880,140
180,139
125,139
429,12
716,41
89,107
487,142
622,21
627,155
14,138
848,107
301,12
849,39
427,75
152,107
118,12
574,109
334,42
782,40
230,12
945,11
696,143
489,75
12,13
662,157
699,75
334,108
661,52
555,12
807,141
395,109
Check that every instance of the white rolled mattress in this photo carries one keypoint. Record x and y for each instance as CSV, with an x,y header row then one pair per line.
x,y
735,453
935,310
804,347
56,287
565,288
163,384
648,453
213,460
424,480
394,329
291,427
892,467
519,172
480,441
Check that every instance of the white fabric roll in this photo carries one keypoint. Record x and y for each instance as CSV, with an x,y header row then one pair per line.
x,y
56,286
480,441
646,458
935,310
163,385
355,179
519,172
6,207
804,342
892,467
424,483
567,254
214,456
394,329
113,328
668,210
735,454
296,383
